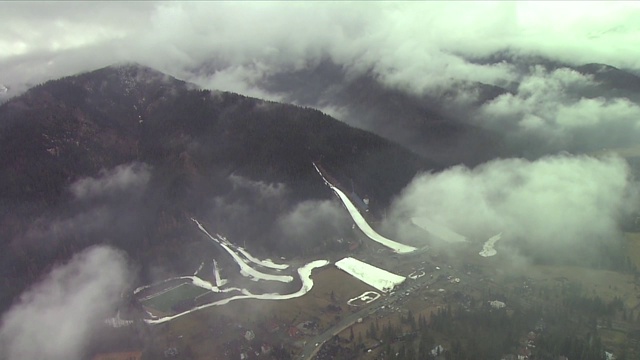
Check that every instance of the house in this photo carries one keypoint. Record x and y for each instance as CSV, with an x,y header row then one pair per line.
x,y
294,331
354,245
249,335
436,351
266,348
171,352
273,326
497,304
131,355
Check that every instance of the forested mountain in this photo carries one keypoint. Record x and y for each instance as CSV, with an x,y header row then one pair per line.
x,y
427,124
455,124
126,155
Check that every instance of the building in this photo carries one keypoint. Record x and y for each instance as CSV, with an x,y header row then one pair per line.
x,y
496,304
294,331
273,326
266,349
362,205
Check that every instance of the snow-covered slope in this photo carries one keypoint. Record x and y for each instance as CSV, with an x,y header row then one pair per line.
x,y
216,274
369,274
488,247
362,223
264,263
245,269
307,284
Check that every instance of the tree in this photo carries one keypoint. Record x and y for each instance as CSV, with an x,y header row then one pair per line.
x,y
412,320
372,331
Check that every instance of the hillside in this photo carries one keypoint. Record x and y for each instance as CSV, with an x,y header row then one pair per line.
x,y
125,155
427,124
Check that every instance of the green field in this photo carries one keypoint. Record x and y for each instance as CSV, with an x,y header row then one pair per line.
x,y
165,301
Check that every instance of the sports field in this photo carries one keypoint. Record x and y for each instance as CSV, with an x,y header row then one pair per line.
x,y
164,301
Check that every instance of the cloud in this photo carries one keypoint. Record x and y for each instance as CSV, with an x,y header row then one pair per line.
x,y
126,177
107,208
244,208
547,113
266,191
55,318
420,45
313,221
554,206
46,232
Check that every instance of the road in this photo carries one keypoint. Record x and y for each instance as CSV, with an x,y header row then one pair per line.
x,y
310,349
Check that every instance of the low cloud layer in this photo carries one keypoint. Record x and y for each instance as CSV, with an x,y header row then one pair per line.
x,y
556,204
313,221
419,47
264,191
127,177
548,113
106,207
55,318
416,45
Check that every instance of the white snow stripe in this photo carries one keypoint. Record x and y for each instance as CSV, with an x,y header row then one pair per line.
x,y
367,230
376,277
266,262
245,269
362,223
488,247
307,285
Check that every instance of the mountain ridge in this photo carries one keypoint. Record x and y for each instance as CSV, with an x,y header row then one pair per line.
x,y
155,151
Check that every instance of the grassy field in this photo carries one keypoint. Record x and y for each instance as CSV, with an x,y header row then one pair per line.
x,y
253,313
165,301
310,305
633,247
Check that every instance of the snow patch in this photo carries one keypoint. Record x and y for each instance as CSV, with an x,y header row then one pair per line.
x,y
216,274
307,285
488,247
245,269
265,263
117,322
416,274
362,223
374,276
199,268
366,298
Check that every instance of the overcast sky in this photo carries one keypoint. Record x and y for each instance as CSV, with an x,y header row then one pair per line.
x,y
419,44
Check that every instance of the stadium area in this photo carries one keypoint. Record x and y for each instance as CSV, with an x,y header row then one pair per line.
x,y
175,299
